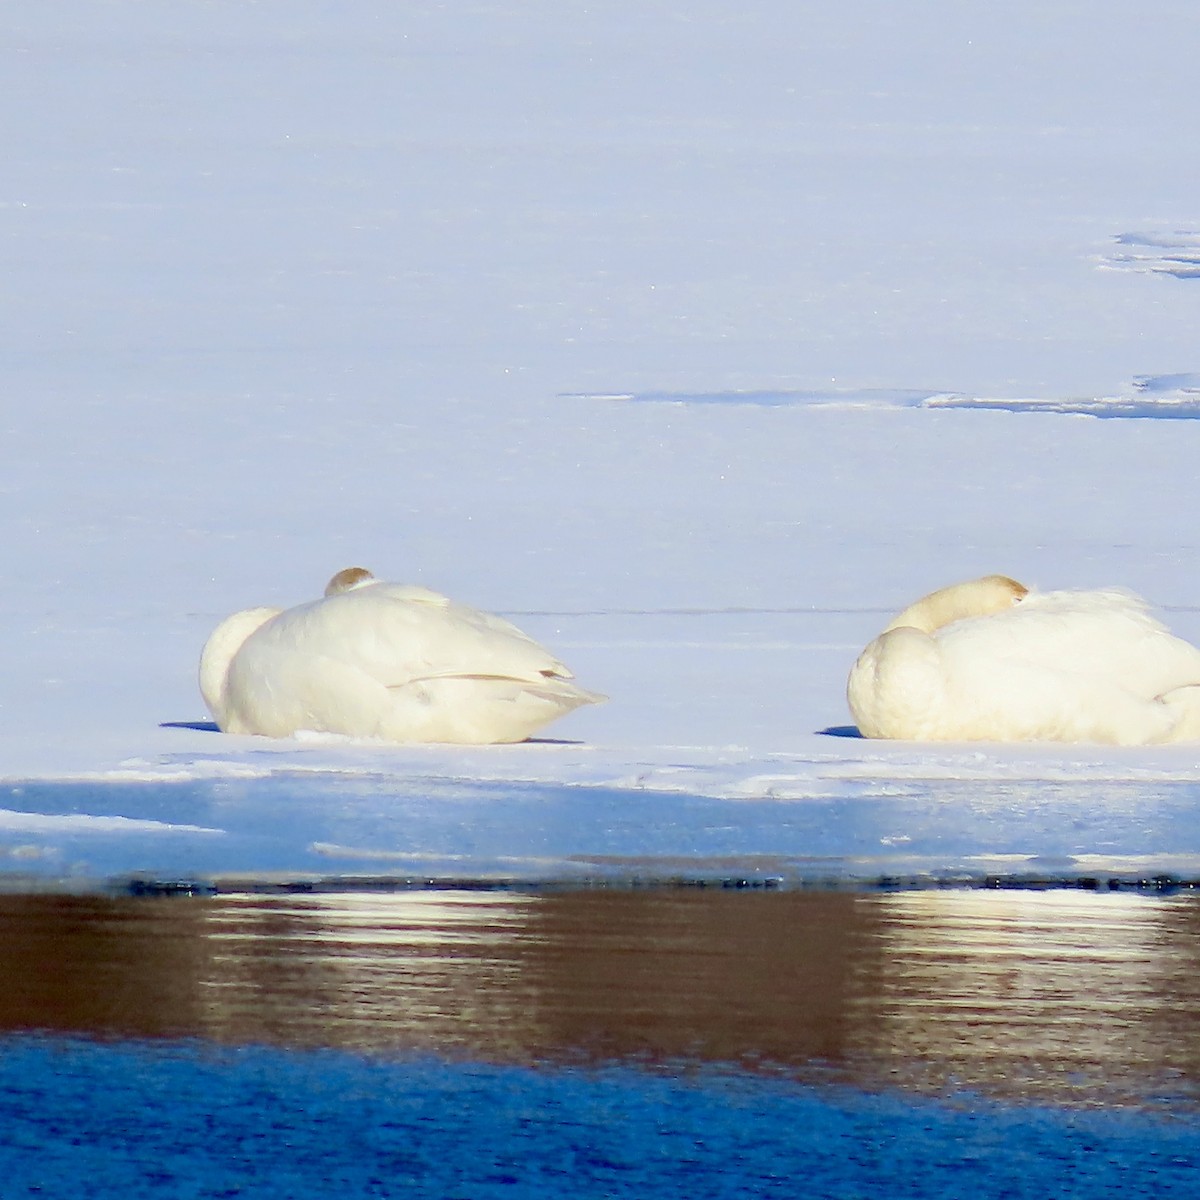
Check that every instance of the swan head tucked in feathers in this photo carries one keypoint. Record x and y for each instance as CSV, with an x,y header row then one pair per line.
x,y
348,579
975,598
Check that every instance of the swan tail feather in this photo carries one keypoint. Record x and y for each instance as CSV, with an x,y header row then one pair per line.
x,y
481,709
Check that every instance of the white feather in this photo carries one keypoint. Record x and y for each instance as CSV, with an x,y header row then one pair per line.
x,y
989,661
386,661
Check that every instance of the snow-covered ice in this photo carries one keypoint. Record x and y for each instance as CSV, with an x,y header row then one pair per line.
x,y
694,341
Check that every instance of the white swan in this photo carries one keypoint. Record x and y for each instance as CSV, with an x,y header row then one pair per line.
x,y
386,661
990,660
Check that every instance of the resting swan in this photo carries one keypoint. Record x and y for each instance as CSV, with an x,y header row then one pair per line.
x,y
990,660
383,660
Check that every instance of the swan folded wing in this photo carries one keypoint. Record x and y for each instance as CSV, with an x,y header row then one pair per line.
x,y
1023,701
1107,637
397,640
478,710
543,685
386,633
408,592
1068,666
277,694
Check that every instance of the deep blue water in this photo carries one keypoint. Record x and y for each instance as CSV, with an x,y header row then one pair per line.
x,y
93,1120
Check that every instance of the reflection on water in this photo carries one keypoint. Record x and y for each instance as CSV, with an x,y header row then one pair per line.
x,y
1042,992
423,970
1060,995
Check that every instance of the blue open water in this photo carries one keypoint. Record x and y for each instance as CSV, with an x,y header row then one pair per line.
x,y
186,1121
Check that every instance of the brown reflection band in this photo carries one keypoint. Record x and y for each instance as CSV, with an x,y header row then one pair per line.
x,y
1061,995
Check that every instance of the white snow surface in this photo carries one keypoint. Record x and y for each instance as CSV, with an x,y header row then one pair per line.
x,y
697,340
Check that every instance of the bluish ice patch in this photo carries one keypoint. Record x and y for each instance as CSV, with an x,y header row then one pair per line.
x,y
1179,401
865,397
335,829
191,1122
1183,381
1174,252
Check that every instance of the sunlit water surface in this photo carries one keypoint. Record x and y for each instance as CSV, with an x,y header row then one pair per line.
x,y
1061,995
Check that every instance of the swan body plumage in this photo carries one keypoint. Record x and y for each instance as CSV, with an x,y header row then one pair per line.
x,y
990,660
387,661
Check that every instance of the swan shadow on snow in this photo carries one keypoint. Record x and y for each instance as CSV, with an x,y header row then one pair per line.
x,y
213,727
840,731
